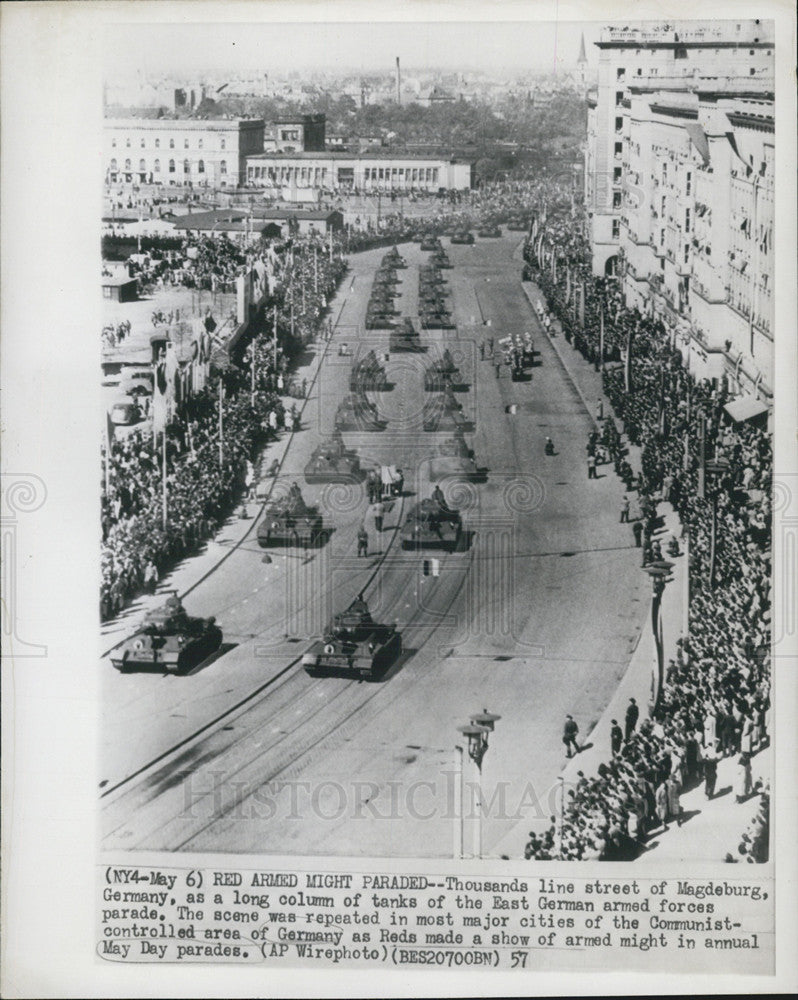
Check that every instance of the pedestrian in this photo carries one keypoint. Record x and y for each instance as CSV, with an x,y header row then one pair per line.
x,y
742,778
490,346
151,576
661,799
482,351
498,366
616,737
304,388
637,529
379,514
625,509
591,466
632,715
710,773
569,733
362,541
674,801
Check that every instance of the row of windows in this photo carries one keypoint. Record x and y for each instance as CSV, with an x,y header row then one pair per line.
x,y
222,143
156,167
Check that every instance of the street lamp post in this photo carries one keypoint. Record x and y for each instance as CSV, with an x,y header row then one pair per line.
x,y
716,467
659,571
477,732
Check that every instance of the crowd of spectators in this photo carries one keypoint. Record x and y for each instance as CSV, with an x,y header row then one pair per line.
x,y
202,488
716,697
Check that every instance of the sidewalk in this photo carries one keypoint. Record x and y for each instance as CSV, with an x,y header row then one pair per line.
x,y
711,828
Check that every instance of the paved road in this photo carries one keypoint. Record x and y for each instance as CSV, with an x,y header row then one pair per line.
x,y
535,619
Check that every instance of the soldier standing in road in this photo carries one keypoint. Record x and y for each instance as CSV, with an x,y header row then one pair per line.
x,y
625,510
498,365
362,541
637,528
591,466
616,737
482,351
379,514
569,733
632,715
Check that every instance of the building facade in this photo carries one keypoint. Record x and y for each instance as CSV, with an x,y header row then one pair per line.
x,y
735,58
289,175
298,134
679,189
172,151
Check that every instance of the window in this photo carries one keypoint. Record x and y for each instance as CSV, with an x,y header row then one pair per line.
x,y
127,166
157,143
616,199
186,167
222,144
113,166
616,228
680,52
618,124
619,73
687,253
687,220
156,167
223,167
142,167
113,143
616,175
618,97
201,167
127,143
171,166
199,144
185,144
752,71
143,144
688,186
618,148
171,143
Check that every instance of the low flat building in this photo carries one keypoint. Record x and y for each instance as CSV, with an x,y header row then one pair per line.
x,y
291,176
260,222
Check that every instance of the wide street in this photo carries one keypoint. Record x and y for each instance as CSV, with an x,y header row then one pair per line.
x,y
536,618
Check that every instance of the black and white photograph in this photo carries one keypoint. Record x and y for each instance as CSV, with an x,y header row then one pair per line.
x,y
407,506
438,480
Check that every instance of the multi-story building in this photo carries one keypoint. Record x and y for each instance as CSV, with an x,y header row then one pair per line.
x,y
696,229
679,181
313,173
300,133
731,57
172,151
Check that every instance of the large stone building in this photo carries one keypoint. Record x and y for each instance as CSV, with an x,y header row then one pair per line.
x,y
679,189
291,175
300,133
180,151
734,58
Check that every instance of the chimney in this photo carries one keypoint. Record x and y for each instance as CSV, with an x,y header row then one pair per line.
x,y
398,82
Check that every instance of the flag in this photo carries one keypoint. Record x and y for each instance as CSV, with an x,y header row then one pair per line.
x,y
568,285
582,304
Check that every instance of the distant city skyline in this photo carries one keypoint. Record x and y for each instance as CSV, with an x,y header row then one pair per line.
x,y
503,48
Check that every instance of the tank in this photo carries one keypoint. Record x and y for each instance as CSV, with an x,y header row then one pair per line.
x,y
354,644
386,276
431,524
518,224
358,413
463,237
489,232
405,337
440,259
331,462
393,259
169,638
441,372
431,243
455,460
368,375
443,413
441,320
290,521
379,321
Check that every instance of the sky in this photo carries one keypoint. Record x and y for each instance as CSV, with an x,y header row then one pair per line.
x,y
177,49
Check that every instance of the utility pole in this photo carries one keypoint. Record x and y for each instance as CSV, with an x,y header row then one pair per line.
x,y
164,507
221,423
